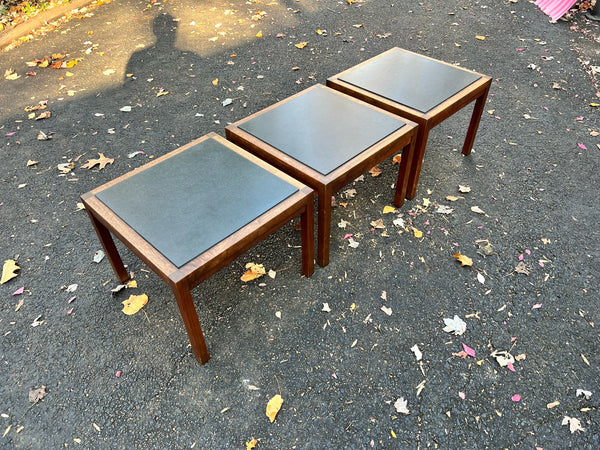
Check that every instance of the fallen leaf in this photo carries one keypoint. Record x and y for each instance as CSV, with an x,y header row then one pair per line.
x,y
401,406
552,404
574,424
102,161
583,392
125,108
359,25
480,278
65,167
9,270
251,444
463,259
254,271
418,234
477,209
522,268
44,115
378,224
215,82
301,44
272,274
386,310
273,407
326,307
43,136
417,352
503,358
397,159
463,189
259,34
134,303
352,243
375,171
481,38
468,350
443,209
455,325
35,395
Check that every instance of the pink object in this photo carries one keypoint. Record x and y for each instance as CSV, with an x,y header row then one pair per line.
x,y
468,350
516,398
555,8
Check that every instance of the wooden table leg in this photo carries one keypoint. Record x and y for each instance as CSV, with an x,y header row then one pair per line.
x,y
474,124
417,162
109,247
307,224
324,227
404,172
190,320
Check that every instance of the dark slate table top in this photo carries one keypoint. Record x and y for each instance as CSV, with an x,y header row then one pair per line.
x,y
321,128
410,80
191,201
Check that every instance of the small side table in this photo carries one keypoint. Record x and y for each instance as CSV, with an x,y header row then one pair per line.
x,y
191,212
326,139
418,88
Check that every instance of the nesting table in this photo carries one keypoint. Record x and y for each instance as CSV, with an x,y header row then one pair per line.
x,y
418,88
191,212
326,139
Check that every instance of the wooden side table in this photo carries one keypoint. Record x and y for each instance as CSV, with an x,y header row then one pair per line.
x,y
418,88
326,139
191,212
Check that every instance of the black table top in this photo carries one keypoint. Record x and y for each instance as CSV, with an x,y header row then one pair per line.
x,y
321,128
187,203
410,80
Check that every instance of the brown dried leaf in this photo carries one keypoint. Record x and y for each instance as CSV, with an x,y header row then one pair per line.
x,y
375,171
102,161
35,395
463,259
9,270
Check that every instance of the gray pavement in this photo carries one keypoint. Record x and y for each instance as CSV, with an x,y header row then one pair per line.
x,y
117,381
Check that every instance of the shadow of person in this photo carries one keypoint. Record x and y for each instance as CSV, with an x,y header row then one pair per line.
x,y
161,78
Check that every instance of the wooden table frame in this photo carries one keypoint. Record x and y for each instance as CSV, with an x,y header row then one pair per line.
x,y
327,185
477,91
183,279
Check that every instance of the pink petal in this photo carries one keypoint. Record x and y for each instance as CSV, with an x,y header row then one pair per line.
x,y
348,236
69,312
72,299
462,395
118,374
516,398
513,339
468,350
528,251
582,146
521,257
19,291
12,133
536,306
511,367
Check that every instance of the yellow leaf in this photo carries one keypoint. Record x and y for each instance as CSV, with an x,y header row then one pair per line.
x,y
301,44
594,105
463,259
251,444
388,209
161,93
352,306
259,34
452,198
481,38
254,271
9,270
426,202
132,284
319,32
134,303
215,81
393,434
418,234
274,406
351,1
